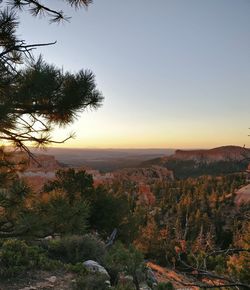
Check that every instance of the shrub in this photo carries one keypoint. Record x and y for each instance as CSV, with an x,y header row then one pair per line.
x,y
16,257
165,286
78,268
51,215
127,260
76,249
124,287
91,282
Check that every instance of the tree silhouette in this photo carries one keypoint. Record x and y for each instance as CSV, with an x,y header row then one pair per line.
x,y
36,96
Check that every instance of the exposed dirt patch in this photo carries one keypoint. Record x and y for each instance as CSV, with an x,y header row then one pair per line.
x,y
178,280
40,280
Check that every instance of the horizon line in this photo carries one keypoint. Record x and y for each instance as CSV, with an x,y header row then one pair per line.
x,y
136,148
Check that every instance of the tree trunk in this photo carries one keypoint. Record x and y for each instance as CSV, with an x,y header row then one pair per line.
x,y
136,282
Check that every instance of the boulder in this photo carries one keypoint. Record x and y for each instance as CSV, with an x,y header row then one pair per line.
x,y
144,286
94,267
52,279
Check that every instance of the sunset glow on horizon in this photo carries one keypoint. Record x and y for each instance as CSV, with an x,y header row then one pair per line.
x,y
174,75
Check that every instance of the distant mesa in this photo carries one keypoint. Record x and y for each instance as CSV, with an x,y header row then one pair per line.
x,y
222,153
159,169
194,163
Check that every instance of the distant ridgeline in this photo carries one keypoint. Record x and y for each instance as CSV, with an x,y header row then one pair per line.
x,y
194,163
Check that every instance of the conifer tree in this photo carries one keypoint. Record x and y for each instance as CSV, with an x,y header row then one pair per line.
x,y
36,96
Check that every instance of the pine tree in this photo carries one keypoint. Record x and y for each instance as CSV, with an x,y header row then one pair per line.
x,y
36,96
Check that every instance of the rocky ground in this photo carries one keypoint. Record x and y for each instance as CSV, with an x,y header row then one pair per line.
x,y
40,280
61,280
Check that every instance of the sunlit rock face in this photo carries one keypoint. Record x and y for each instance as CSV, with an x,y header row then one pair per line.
x,y
145,195
243,195
43,163
144,174
224,153
38,170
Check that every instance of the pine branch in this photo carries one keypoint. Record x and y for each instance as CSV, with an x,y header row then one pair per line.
x,y
36,8
24,48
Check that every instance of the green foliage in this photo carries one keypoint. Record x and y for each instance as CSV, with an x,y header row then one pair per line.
x,y
14,209
28,217
107,211
16,257
217,263
190,220
73,249
14,195
238,267
59,216
78,268
46,96
127,260
91,282
199,211
73,183
38,96
165,286
127,286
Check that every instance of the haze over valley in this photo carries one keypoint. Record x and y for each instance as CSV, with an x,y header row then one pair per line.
x,y
104,159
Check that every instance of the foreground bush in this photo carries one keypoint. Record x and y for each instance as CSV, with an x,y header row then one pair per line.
x,y
76,249
91,282
165,286
124,287
124,260
16,257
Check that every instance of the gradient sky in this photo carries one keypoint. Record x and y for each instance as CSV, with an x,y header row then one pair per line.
x,y
174,73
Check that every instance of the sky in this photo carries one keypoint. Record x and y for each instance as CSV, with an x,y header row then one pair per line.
x,y
174,73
